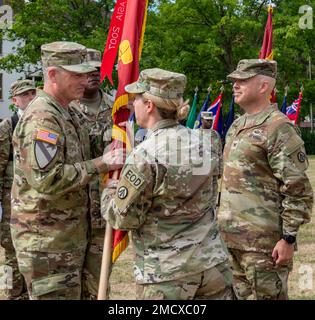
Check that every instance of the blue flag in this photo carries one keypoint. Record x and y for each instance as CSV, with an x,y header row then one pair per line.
x,y
284,105
229,119
203,108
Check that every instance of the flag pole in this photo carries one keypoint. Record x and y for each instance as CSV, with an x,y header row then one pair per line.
x,y
311,104
106,262
221,179
107,257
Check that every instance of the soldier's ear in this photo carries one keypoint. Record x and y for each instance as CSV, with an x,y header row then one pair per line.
x,y
52,73
264,86
150,106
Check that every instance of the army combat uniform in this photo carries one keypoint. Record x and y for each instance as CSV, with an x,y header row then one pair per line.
x,y
49,195
165,197
16,287
99,126
266,194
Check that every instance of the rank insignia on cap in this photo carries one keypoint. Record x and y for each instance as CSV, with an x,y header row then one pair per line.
x,y
47,136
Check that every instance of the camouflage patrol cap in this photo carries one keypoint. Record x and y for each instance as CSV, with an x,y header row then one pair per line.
x,y
94,57
20,86
207,115
249,68
158,82
70,56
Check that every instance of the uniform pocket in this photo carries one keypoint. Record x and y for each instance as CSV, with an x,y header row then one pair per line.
x,y
268,285
56,282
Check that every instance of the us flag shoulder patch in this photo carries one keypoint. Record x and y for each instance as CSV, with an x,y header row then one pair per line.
x,y
47,136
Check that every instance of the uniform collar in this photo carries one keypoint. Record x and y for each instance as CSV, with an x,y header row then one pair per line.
x,y
53,101
104,105
253,120
165,123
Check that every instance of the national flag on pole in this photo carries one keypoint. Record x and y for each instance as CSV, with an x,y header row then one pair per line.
x,y
204,107
284,105
293,110
229,119
266,51
192,112
216,110
130,47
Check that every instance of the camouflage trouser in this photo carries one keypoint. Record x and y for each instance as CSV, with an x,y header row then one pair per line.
x,y
92,265
212,284
256,277
52,276
16,289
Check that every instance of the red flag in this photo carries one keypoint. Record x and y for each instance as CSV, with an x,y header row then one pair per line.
x,y
113,40
266,51
128,71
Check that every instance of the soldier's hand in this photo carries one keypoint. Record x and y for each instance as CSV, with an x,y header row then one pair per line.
x,y
111,185
115,159
282,252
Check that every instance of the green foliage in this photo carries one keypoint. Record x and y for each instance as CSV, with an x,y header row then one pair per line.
x,y
40,21
205,40
13,108
309,138
202,38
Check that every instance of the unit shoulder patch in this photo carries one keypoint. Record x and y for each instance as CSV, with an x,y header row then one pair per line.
x,y
122,192
301,156
44,153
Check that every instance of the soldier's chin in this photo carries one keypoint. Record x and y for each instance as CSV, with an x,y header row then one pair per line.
x,y
79,95
93,85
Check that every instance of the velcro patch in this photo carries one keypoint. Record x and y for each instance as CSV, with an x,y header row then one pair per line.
x,y
122,192
48,136
134,178
301,156
44,153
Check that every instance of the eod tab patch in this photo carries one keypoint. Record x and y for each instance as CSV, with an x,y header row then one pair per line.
x,y
134,178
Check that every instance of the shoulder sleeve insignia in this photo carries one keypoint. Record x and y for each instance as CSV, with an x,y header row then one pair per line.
x,y
122,192
48,136
301,156
45,153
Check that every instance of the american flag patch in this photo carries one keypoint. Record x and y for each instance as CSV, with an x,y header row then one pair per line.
x,y
47,136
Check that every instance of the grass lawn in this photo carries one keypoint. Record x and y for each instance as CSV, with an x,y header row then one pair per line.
x,y
301,281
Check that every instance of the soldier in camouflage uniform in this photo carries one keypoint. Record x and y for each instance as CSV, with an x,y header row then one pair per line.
x,y
52,169
165,197
95,112
22,93
266,194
